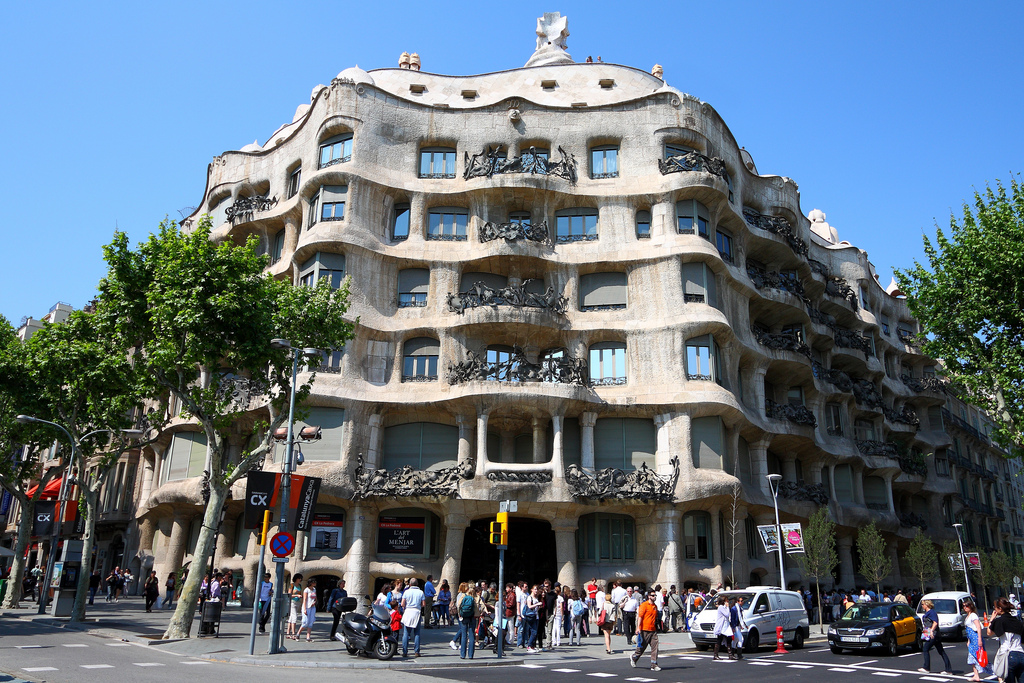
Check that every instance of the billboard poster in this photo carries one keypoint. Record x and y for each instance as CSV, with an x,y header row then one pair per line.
x,y
955,563
260,488
769,536
327,531
401,535
793,537
973,561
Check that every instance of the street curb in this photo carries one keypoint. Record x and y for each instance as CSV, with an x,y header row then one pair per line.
x,y
115,634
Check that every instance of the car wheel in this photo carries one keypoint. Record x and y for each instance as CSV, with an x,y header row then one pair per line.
x,y
753,641
890,645
701,647
798,640
385,650
835,650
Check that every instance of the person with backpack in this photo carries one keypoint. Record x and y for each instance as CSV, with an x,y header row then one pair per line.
x,y
675,610
606,620
467,622
453,613
577,608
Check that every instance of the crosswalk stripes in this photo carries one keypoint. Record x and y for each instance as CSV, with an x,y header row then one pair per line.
x,y
119,644
97,666
36,669
196,661
566,671
74,645
642,680
887,673
147,664
601,674
840,669
799,666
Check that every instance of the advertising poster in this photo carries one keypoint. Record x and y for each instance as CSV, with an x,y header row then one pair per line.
x,y
401,535
973,561
955,564
793,536
46,512
327,531
769,536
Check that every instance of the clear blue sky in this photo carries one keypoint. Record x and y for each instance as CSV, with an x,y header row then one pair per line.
x,y
886,114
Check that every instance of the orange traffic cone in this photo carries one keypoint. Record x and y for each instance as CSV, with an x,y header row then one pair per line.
x,y
984,622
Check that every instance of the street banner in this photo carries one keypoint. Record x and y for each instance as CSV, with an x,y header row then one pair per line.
x,y
955,563
46,513
304,506
793,537
769,536
262,491
5,503
260,488
973,561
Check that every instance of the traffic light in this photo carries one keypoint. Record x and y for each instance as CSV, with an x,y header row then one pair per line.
x,y
499,530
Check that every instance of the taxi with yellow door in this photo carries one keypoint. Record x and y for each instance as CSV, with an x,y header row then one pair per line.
x,y
877,626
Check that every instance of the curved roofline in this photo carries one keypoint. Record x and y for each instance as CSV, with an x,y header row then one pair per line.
x,y
521,68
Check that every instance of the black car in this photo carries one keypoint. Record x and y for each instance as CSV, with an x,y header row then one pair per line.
x,y
879,626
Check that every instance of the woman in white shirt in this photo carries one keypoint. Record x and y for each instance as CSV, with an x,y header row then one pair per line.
x,y
556,631
308,611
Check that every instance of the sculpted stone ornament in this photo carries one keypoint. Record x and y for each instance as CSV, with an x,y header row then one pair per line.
x,y
692,161
406,482
814,493
493,161
513,232
516,296
515,477
552,30
245,208
642,484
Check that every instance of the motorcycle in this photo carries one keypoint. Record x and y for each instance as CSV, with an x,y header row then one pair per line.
x,y
367,634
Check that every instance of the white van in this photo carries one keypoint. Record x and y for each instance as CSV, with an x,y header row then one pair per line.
x,y
949,605
764,609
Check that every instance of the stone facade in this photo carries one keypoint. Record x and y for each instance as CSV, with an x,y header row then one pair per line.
x,y
710,334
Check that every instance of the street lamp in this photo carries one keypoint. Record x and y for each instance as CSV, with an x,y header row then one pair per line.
x,y
773,482
276,640
963,557
66,481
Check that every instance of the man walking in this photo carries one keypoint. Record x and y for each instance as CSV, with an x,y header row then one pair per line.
x,y
647,620
334,605
412,609
429,593
675,611
630,605
94,585
266,591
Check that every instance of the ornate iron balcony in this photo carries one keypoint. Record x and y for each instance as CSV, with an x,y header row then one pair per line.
x,y
419,378
515,231
405,482
834,431
775,280
866,393
814,493
563,370
245,208
412,303
700,378
609,381
784,341
437,176
330,369
693,298
851,339
446,238
839,288
837,378
800,415
492,161
906,415
777,225
922,384
604,307
333,162
692,161
516,296
640,484
878,448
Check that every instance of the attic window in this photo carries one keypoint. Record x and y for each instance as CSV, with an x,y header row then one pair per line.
x,y
579,104
469,94
417,88
606,82
549,85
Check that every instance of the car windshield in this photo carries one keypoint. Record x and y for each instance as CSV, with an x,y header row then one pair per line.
x,y
748,600
945,606
868,612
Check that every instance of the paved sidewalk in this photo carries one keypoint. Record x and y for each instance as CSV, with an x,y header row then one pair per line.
x,y
127,620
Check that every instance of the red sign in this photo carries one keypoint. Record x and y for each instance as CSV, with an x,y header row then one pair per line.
x,y
282,544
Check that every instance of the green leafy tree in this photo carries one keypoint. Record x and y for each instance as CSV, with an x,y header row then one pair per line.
x,y
969,300
820,557
875,564
200,317
998,569
921,557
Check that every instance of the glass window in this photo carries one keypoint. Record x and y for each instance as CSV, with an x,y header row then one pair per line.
x,y
699,284
447,223
624,443
884,323
795,396
325,265
604,161
410,533
535,160
330,361
437,162
575,225
692,217
677,150
419,363
834,414
413,285
603,291
294,181
501,364
332,425
277,250
328,204
605,538
400,225
608,363
336,150
753,538
864,430
724,241
643,224
697,536
421,446
702,359
795,331
707,442
843,475
187,456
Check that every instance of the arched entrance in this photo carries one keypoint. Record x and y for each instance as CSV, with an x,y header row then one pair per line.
x,y
530,556
325,583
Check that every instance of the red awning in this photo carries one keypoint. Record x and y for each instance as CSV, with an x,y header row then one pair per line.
x,y
50,491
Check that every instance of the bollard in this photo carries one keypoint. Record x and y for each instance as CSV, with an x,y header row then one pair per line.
x,y
780,648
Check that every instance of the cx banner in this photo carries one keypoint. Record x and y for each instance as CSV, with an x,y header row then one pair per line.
x,y
263,490
46,516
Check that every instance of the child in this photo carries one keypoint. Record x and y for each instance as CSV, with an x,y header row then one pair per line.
x,y
396,618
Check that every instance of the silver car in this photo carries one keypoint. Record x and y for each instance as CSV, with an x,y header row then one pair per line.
x,y
765,609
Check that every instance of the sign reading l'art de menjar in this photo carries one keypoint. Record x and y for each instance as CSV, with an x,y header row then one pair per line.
x,y
401,535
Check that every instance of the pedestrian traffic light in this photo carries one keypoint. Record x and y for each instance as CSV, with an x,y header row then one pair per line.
x,y
499,530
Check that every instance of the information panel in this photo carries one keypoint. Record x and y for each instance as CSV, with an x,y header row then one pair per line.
x,y
401,535
327,531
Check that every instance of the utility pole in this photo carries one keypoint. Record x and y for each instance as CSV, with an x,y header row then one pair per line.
x,y
499,537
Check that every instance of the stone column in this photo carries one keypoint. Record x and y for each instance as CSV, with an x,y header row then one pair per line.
x,y
888,491
557,452
587,422
226,540
417,218
759,464
565,550
895,576
669,529
373,451
481,445
740,553
716,537
732,452
455,533
357,569
291,236
858,485
789,467
175,552
147,530
540,446
160,459
757,389
813,473
847,574
465,423
148,458
508,447
832,483
663,454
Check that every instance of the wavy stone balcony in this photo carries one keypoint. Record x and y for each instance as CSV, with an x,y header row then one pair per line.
x,y
562,369
776,225
492,161
796,414
643,484
516,296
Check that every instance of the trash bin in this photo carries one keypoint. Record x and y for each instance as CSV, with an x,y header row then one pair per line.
x,y
209,623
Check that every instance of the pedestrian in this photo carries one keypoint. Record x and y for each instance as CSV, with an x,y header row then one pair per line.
x,y
429,595
591,591
465,613
169,591
294,607
398,588
111,582
556,616
216,588
441,604
548,615
566,615
266,591
647,622
618,593
932,637
606,620
975,644
94,584
1009,660
453,612
577,610
723,630
629,606
334,605
675,610
531,612
28,587
738,624
151,590
509,613
412,611
308,611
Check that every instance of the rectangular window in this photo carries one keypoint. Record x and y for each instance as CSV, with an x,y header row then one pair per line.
x,y
883,322
692,217
413,285
702,359
604,161
336,150
294,181
643,224
697,536
864,430
834,413
795,331
724,246
277,250
328,204
676,151
332,211
419,367
699,285
795,396
400,226
608,364
447,224
437,162
575,225
864,299
603,291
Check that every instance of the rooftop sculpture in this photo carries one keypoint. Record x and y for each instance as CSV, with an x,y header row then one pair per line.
x,y
552,30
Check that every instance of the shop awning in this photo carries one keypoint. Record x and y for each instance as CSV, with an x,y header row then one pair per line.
x,y
50,491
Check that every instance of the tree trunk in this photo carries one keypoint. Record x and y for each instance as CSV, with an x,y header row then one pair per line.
x,y
821,615
13,594
88,541
181,621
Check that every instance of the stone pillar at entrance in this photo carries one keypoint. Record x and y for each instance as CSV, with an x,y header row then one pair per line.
x,y
465,435
844,544
565,550
176,545
455,530
669,528
357,571
587,422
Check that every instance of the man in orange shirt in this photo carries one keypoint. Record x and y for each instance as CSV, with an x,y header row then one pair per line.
x,y
647,626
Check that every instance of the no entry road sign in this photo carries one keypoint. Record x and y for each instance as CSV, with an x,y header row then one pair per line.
x,y
282,544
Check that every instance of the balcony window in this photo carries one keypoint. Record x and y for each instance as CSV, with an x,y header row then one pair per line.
x,y
608,363
697,536
795,331
421,446
604,161
603,291
324,265
724,241
187,456
864,303
400,224
419,360
277,248
875,495
843,475
606,537
328,204
330,361
294,181
447,223
707,443
437,162
643,224
702,359
834,418
336,150
576,225
502,364
624,443
677,150
883,322
692,217
699,284
864,430
795,396
535,160
413,285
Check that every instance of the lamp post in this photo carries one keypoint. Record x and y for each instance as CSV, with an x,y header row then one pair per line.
x,y
773,482
276,640
963,557
66,480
